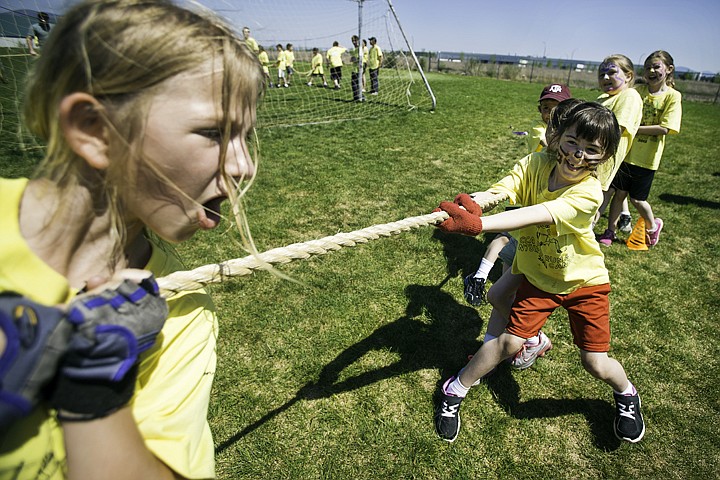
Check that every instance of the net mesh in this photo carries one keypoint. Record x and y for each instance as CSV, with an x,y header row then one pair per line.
x,y
306,25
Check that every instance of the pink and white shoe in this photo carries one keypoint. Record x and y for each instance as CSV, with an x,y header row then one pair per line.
x,y
529,353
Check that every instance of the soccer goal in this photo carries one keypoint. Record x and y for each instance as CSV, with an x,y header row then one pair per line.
x,y
306,25
318,24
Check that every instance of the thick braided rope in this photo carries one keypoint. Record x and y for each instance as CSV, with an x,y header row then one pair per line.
x,y
218,272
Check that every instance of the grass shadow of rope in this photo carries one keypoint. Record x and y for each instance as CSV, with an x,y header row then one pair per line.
x,y
436,332
435,327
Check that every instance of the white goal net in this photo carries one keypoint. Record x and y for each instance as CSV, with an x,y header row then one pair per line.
x,y
306,24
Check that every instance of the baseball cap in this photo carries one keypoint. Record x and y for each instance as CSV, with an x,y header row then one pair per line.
x,y
555,91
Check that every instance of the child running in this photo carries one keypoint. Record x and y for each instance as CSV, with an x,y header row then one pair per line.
x,y
559,258
662,114
146,108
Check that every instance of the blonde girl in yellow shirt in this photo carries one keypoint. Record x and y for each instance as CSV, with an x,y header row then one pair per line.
x,y
146,108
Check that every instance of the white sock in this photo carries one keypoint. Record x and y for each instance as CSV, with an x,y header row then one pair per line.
x,y
652,230
484,270
625,212
533,341
457,388
629,390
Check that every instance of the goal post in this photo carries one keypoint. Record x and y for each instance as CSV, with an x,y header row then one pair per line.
x,y
305,24
317,24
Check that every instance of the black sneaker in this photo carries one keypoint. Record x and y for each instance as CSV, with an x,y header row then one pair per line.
x,y
474,290
447,415
629,424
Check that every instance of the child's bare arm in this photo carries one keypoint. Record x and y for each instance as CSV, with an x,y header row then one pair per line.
x,y
652,130
465,217
517,218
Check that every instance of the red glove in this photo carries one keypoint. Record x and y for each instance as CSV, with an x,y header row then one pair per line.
x,y
466,201
465,221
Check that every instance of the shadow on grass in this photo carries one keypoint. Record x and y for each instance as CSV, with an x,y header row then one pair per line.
x,y
599,414
434,329
437,332
685,200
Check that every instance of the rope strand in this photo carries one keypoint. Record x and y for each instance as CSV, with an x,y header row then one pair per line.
x,y
218,272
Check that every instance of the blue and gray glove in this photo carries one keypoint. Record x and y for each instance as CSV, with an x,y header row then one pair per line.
x,y
97,375
36,338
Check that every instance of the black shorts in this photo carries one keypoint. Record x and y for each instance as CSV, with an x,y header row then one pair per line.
x,y
634,180
336,73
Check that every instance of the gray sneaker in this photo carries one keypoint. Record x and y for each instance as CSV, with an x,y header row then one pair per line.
x,y
625,223
527,356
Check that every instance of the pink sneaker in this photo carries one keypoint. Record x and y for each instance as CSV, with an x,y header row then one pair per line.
x,y
651,239
607,238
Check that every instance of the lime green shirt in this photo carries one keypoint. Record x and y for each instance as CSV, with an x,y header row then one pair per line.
x,y
627,107
172,392
374,57
565,256
663,109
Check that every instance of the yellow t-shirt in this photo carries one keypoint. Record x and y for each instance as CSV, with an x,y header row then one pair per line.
x,y
289,58
535,136
252,45
627,107
334,56
565,256
374,57
264,61
281,60
316,64
664,109
173,386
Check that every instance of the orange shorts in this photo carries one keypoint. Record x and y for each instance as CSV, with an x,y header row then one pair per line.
x,y
588,309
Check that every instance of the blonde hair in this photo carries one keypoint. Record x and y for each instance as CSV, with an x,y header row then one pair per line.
x,y
119,51
668,60
625,64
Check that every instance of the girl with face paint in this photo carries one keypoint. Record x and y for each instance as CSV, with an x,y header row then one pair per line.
x,y
661,116
616,76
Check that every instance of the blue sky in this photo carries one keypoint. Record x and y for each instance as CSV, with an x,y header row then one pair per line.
x,y
579,29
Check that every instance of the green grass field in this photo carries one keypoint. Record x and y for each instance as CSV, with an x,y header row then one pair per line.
x,y
334,376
